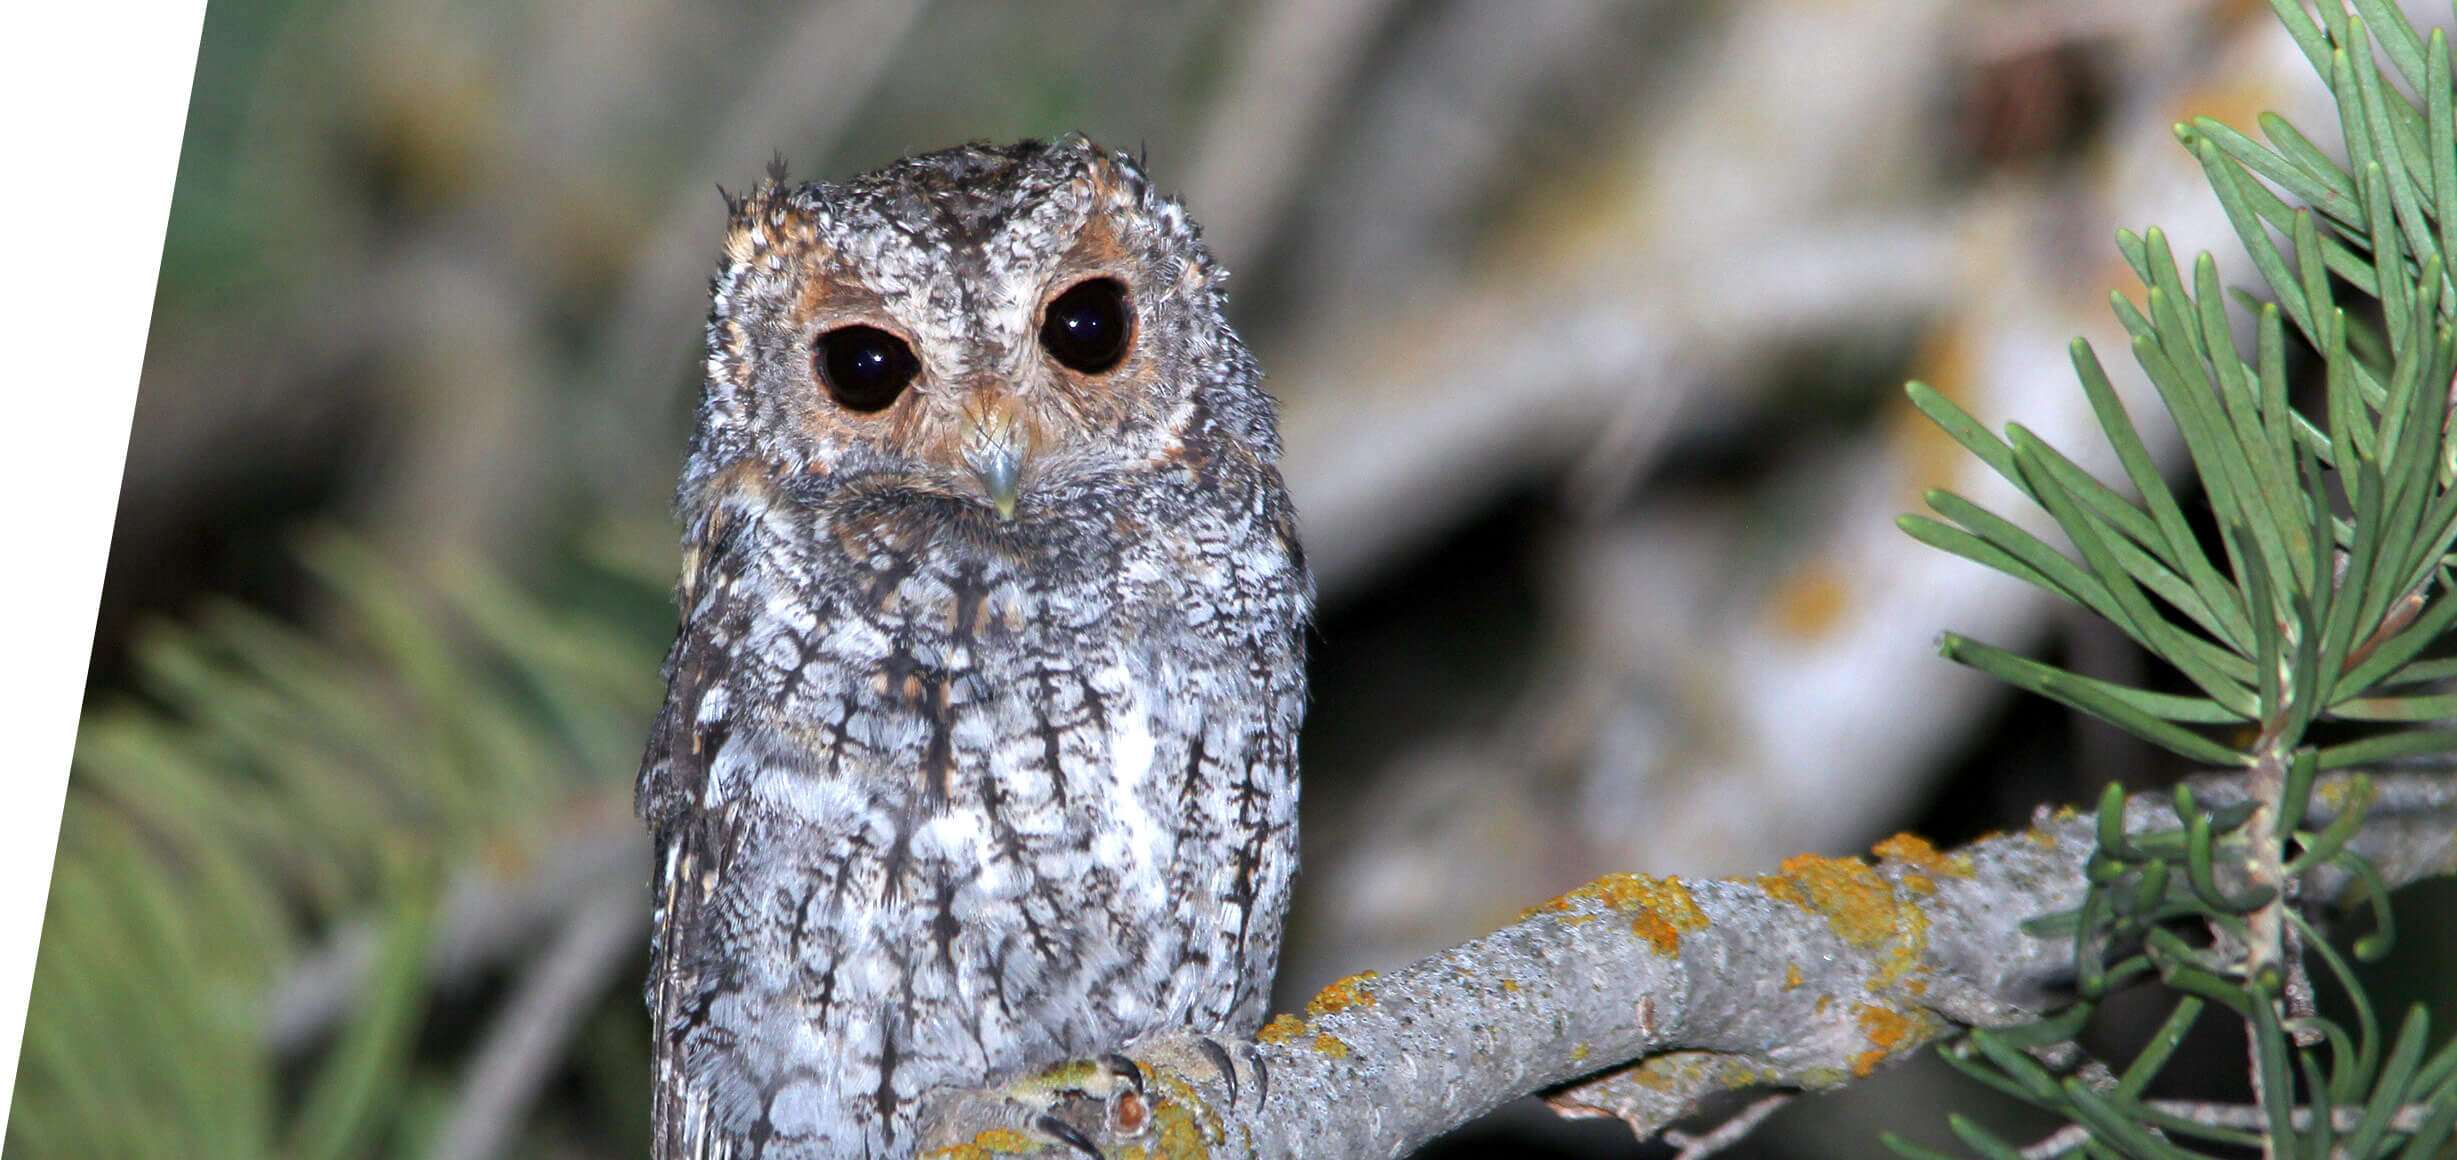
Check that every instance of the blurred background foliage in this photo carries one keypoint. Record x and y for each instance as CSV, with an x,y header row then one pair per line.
x,y
1589,318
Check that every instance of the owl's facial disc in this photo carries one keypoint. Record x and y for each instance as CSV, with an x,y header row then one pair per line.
x,y
1013,337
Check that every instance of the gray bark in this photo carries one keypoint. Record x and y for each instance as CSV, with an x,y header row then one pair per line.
x,y
1650,993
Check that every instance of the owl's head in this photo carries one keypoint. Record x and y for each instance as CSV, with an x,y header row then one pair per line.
x,y
990,324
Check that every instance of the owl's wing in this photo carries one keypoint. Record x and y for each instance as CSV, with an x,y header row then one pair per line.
x,y
693,844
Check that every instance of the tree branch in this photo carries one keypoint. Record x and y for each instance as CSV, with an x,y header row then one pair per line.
x,y
1650,993
532,1035
488,917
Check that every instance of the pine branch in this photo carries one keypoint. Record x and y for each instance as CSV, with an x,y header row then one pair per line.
x,y
1658,992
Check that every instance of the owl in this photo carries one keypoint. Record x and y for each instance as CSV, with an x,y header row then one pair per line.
x,y
978,750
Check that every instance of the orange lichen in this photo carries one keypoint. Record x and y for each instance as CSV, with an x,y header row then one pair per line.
x,y
1907,847
1071,1073
1917,852
994,1142
1181,1134
1342,995
1281,1029
1680,1071
1858,905
1660,1073
1660,934
1919,884
1511,985
1885,1029
1736,1073
1783,890
1330,1046
1791,977
1659,908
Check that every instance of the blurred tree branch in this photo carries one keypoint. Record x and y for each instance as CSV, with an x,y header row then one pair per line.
x,y
1711,656
532,1035
1259,131
485,918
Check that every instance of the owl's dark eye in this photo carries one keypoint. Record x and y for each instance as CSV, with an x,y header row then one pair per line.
x,y
865,367
1086,328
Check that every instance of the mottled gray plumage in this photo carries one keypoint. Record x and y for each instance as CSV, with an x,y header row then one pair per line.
x,y
942,791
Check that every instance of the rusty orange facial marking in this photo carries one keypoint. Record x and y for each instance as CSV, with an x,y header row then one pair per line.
x,y
1099,401
822,300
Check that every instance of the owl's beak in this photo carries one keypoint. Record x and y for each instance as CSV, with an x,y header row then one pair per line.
x,y
995,446
998,468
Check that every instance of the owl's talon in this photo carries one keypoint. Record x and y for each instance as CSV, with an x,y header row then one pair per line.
x,y
1219,1058
1262,1075
1067,1134
1125,1069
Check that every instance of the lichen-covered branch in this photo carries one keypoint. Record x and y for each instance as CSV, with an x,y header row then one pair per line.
x,y
1644,995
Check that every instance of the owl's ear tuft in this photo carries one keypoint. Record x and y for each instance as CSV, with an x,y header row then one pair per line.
x,y
1114,177
767,199
761,218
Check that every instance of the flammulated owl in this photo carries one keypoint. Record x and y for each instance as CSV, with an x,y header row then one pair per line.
x,y
979,744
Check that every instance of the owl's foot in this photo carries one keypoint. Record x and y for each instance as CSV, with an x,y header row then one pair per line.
x,y
1165,1098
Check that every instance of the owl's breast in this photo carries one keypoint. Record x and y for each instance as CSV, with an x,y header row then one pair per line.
x,y
994,673
1065,750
